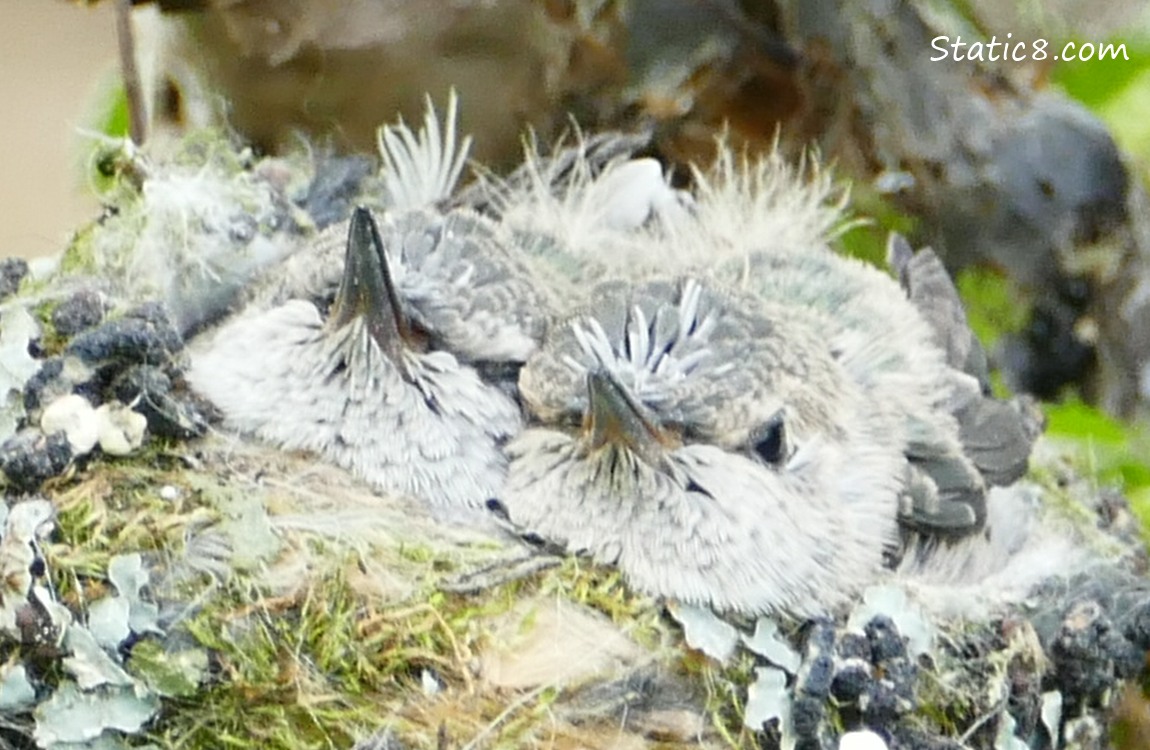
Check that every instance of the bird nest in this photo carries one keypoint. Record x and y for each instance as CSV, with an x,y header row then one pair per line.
x,y
190,588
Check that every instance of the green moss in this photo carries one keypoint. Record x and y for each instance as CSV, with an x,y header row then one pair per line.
x,y
78,257
1095,453
51,342
322,666
114,508
604,590
291,672
726,695
944,706
416,553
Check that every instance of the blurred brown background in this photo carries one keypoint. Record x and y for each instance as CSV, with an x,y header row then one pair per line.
x,y
52,57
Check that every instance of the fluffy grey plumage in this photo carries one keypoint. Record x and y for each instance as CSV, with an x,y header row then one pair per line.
x,y
711,447
387,383
763,226
1025,546
360,387
582,213
453,272
888,349
886,341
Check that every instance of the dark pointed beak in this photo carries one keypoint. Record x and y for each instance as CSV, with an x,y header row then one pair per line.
x,y
615,418
367,289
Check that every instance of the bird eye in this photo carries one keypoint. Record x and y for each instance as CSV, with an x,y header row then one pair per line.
x,y
770,440
496,506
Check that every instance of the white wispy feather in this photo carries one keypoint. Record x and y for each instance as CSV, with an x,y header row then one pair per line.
x,y
590,207
627,218
422,170
782,207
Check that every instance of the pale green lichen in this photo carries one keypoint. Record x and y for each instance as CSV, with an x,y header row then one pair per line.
x,y
16,692
72,715
97,696
170,674
17,328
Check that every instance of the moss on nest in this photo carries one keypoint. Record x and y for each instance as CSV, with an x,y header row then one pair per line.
x,y
325,661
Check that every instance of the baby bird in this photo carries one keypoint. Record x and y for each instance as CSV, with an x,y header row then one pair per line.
x,y
363,386
878,337
763,226
758,450
389,349
709,445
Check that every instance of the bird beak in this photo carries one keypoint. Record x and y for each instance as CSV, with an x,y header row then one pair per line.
x,y
614,418
367,289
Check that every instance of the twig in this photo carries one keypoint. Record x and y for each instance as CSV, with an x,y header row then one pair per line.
x,y
133,90
982,720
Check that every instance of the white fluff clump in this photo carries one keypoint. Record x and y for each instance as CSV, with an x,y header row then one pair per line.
x,y
862,740
200,227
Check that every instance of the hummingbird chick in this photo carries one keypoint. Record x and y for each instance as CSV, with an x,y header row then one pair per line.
x,y
710,446
764,226
910,346
887,348
391,349
365,383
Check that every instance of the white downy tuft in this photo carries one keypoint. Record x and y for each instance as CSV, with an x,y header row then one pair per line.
x,y
421,170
